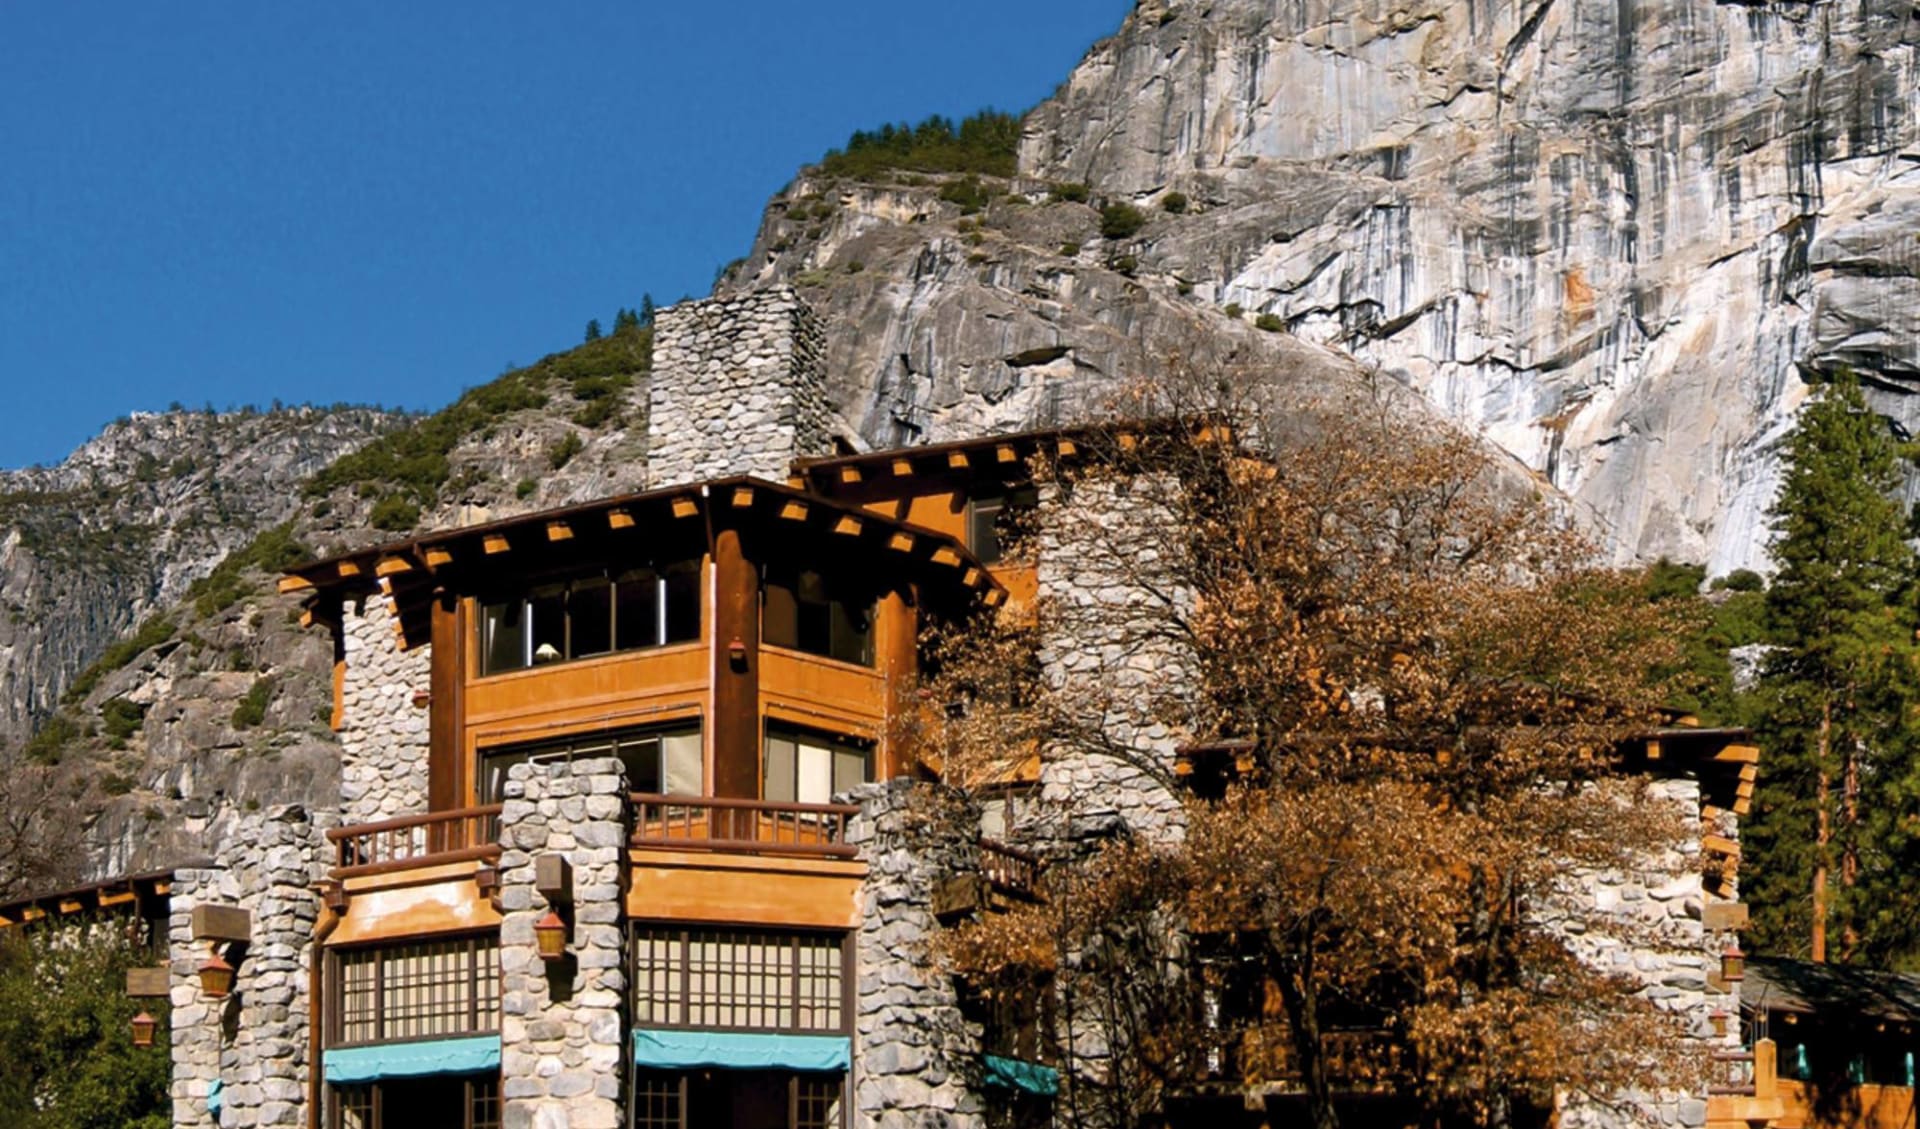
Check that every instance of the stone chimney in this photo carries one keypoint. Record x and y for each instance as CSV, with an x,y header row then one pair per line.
x,y
737,388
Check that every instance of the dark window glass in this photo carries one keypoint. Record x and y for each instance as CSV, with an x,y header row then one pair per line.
x,y
779,618
503,645
811,768
657,760
802,610
682,599
994,520
547,624
589,619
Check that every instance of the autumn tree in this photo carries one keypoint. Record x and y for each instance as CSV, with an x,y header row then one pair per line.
x,y
1836,696
1420,682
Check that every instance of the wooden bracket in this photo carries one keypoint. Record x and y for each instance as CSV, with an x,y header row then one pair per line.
x,y
553,878
222,923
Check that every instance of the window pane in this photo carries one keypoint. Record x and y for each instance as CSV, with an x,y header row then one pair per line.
x,y
742,979
638,611
656,1100
503,645
851,768
852,630
493,773
547,624
590,618
780,768
779,618
683,603
684,755
814,635
414,991
641,755
814,773
983,534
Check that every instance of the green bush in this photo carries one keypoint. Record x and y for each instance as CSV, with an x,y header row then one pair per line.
x,y
984,143
1069,193
1069,249
394,514
1233,310
121,719
1739,580
151,633
1174,203
1125,264
49,743
273,551
525,488
1120,220
252,709
1269,322
967,193
597,412
562,453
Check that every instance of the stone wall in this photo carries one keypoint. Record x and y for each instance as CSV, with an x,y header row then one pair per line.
x,y
563,1027
736,388
383,741
256,1041
1101,556
1646,923
916,1058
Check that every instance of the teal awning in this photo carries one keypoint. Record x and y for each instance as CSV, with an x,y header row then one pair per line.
x,y
673,1050
216,1098
1016,1074
347,1065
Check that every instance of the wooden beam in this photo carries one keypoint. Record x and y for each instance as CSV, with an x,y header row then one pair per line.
x,y
973,577
1128,441
901,542
392,566
957,460
72,905
306,618
996,597
946,556
1749,773
1738,754
685,507
849,474
1724,915
848,525
903,468
619,519
1005,453
1653,748
116,897
1720,845
559,531
148,983
221,923
495,543
794,511
346,570
439,556
295,584
742,497
1067,449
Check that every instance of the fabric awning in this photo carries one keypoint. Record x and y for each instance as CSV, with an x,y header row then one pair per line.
x,y
1018,1074
216,1098
733,1050
475,1055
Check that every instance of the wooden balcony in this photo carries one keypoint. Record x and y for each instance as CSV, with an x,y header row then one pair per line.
x,y
1009,870
416,841
718,823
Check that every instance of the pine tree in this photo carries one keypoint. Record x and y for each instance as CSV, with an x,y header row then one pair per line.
x,y
646,310
1826,837
593,329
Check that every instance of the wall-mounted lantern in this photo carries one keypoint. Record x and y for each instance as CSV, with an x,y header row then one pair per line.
x,y
143,1028
216,976
1719,1021
1733,964
550,933
737,653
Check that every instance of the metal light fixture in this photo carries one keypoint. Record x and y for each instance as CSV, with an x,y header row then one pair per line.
x,y
550,933
216,976
143,1027
1733,964
1719,1021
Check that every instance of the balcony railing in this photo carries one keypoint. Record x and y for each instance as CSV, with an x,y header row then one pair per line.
x,y
1009,869
717,823
416,840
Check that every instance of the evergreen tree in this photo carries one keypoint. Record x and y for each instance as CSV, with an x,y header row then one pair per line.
x,y
1827,837
646,310
593,329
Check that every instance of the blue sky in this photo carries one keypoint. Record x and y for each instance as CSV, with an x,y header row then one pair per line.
x,y
388,202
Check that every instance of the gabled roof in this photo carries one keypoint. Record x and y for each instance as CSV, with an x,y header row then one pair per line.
x,y
1831,991
411,568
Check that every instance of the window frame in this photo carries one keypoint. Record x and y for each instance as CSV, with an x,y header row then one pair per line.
x,y
483,990
523,592
567,746
789,577
471,1118
834,742
680,970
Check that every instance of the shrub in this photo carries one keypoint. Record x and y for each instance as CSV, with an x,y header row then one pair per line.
x,y
1269,322
1233,310
1068,193
394,514
525,488
1739,580
252,709
151,633
121,719
1120,220
1069,248
562,453
49,743
1174,203
984,143
273,551
597,412
967,193
1125,264
116,784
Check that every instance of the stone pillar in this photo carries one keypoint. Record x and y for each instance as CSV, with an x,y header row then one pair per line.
x,y
563,1030
736,388
916,1057
256,1040
384,736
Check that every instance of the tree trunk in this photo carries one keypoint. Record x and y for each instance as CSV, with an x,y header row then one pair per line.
x,y
1823,833
1302,999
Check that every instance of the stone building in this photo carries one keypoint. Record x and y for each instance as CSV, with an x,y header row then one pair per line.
x,y
624,838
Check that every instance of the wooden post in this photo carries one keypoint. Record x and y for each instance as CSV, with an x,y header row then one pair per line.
x,y
898,651
445,733
736,681
1766,1069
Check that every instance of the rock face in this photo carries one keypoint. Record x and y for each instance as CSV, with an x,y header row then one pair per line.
x,y
1616,238
131,519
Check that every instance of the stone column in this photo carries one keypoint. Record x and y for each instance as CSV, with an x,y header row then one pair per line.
x,y
915,1056
383,738
196,1020
563,1054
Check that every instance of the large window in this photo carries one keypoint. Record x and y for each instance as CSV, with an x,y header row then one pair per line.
x,y
670,760
995,521
811,768
805,610
738,979
434,989
773,1098
588,616
459,1102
